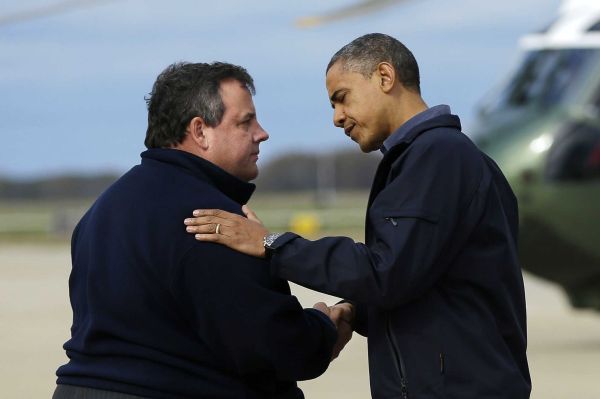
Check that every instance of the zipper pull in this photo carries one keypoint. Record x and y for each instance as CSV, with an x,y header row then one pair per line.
x,y
393,221
441,363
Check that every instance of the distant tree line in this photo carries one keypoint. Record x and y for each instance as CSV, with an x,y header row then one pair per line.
x,y
342,170
69,186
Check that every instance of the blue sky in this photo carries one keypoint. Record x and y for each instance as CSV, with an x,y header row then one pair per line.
x,y
72,86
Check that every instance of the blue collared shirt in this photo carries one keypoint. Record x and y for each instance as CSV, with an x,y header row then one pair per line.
x,y
424,116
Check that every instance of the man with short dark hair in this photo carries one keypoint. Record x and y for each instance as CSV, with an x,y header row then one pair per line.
x,y
155,314
437,284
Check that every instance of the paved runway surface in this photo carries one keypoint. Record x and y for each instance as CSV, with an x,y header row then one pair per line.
x,y
564,345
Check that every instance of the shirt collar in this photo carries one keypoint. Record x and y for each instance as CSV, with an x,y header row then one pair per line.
x,y
399,134
234,188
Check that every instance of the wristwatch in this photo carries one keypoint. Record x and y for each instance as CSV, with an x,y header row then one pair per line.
x,y
268,241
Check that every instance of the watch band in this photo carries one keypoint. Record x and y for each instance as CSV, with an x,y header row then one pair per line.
x,y
268,241
270,238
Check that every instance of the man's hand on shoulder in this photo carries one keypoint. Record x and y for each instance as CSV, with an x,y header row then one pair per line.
x,y
243,234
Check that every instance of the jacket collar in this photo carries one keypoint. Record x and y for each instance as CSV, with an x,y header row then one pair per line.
x,y
441,121
234,188
402,131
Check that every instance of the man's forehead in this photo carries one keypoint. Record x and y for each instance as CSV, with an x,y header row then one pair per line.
x,y
335,70
338,78
233,86
236,93
334,76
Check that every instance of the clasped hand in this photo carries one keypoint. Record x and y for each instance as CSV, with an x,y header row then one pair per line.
x,y
342,315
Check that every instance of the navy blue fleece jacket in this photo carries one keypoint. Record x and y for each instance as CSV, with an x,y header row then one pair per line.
x,y
158,314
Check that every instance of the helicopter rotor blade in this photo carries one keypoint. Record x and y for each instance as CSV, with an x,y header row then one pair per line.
x,y
47,10
360,8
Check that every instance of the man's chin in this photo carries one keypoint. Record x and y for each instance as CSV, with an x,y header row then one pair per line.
x,y
252,175
367,147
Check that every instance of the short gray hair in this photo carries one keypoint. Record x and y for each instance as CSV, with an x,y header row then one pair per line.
x,y
186,90
363,54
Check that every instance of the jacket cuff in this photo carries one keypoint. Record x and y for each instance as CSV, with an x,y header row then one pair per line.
x,y
283,239
323,316
278,243
328,327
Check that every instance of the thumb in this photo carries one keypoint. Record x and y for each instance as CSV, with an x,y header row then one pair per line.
x,y
322,307
250,214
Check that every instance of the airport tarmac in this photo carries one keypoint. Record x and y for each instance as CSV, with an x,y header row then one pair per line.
x,y
564,344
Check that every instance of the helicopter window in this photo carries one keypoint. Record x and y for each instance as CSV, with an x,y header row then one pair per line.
x,y
544,76
595,27
575,154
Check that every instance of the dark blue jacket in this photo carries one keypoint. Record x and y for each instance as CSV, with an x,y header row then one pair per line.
x,y
158,314
438,282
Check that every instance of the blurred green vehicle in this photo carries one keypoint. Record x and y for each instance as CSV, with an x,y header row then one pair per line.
x,y
542,126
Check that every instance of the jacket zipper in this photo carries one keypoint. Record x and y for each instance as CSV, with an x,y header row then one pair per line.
x,y
393,220
399,363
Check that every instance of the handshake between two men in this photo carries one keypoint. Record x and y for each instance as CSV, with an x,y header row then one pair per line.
x,y
247,234
341,315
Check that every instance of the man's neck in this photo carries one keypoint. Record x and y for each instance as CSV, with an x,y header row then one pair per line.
x,y
413,110
410,104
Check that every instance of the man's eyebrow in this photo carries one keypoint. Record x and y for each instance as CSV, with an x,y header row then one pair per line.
x,y
248,116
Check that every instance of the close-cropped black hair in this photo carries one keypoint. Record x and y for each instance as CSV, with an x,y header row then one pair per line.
x,y
363,54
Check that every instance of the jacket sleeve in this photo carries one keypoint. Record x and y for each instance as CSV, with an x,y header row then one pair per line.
x,y
248,318
411,223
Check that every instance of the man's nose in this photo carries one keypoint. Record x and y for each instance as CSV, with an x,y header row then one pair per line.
x,y
261,134
338,117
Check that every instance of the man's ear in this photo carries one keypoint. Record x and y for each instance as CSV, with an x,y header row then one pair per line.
x,y
197,131
386,74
